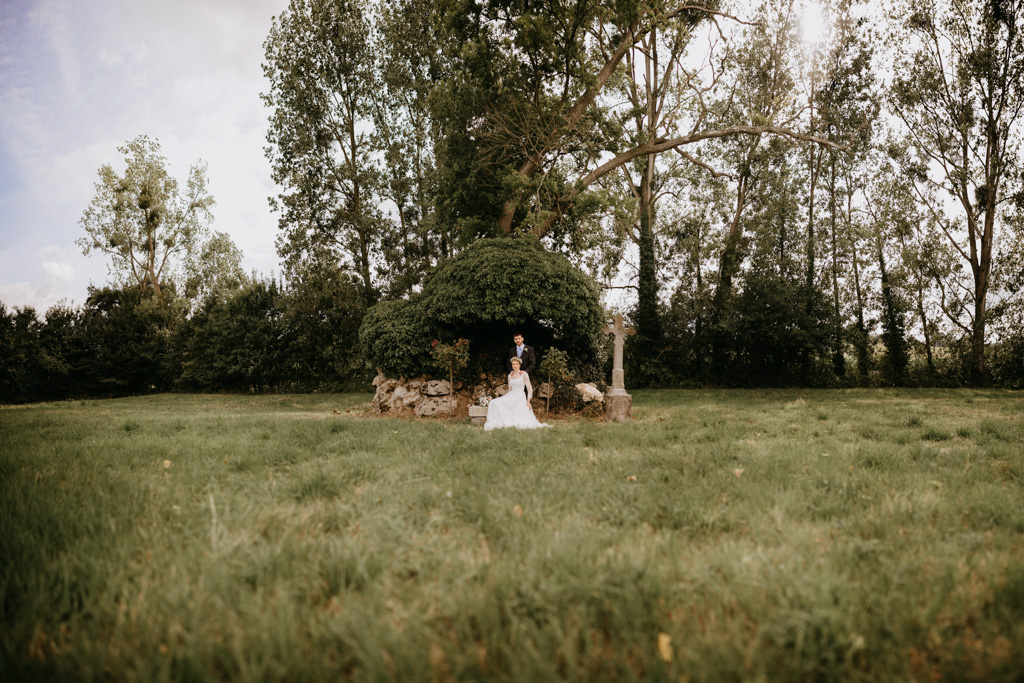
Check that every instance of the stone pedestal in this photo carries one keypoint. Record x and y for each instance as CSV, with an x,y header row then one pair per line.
x,y
478,414
618,407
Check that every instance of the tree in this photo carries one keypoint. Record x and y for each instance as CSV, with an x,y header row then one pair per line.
x,y
124,342
215,270
319,59
405,135
651,86
322,311
959,90
238,343
452,357
150,228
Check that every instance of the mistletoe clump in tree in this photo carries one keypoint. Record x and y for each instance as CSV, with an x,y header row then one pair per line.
x,y
156,232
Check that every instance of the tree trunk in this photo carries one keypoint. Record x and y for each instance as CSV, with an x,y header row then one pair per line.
x,y
648,320
728,265
838,358
805,356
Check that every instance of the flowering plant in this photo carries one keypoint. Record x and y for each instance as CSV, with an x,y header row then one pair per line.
x,y
484,400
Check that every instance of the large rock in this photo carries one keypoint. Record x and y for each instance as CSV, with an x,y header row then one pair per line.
x,y
403,397
500,390
379,379
387,386
430,407
546,390
589,393
383,395
437,387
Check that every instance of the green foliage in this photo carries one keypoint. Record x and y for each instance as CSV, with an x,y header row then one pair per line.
x,y
763,335
320,64
394,337
499,286
238,344
450,358
124,345
958,90
322,312
487,292
157,234
555,366
20,378
1007,364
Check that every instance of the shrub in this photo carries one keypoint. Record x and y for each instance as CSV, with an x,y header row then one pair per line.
x,y
395,336
1007,362
487,292
450,358
238,344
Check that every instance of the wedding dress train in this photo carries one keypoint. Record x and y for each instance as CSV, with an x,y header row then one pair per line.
x,y
512,410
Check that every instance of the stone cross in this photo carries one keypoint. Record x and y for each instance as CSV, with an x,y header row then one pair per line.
x,y
618,375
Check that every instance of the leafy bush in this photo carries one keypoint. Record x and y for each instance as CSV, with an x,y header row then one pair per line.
x,y
489,291
237,344
123,344
554,368
395,337
566,398
322,313
1007,362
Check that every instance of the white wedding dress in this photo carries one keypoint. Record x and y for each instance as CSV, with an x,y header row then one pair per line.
x,y
512,410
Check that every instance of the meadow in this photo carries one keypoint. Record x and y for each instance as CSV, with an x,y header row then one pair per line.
x,y
786,535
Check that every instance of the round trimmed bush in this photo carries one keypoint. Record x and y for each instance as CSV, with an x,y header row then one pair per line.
x,y
486,293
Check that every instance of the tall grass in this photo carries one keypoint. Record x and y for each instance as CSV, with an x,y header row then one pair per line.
x,y
723,535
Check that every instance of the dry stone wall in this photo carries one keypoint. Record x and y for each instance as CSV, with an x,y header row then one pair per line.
x,y
426,397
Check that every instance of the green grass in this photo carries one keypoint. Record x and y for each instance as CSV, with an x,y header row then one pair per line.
x,y
770,535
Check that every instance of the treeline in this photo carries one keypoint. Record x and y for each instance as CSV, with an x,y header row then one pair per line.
x,y
261,337
268,336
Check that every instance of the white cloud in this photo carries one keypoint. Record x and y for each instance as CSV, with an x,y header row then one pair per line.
x,y
20,294
79,79
59,271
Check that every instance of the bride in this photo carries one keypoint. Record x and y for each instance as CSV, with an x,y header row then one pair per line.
x,y
514,409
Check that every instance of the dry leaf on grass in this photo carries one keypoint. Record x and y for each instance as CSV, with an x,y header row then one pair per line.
x,y
665,646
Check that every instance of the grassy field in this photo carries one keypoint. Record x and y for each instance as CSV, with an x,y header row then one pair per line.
x,y
723,535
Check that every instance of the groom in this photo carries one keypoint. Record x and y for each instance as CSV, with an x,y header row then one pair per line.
x,y
524,353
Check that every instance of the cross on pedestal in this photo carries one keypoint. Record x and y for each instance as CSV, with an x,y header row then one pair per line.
x,y
618,375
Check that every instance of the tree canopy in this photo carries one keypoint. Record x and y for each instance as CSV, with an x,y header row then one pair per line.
x,y
156,232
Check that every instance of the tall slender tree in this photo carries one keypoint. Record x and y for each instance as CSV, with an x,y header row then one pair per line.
x,y
319,60
959,90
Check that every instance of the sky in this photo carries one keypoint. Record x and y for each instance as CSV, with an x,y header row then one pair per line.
x,y
79,78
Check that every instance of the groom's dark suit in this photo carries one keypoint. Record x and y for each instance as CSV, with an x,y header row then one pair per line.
x,y
529,359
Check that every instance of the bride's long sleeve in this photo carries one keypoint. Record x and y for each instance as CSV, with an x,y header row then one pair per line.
x,y
529,388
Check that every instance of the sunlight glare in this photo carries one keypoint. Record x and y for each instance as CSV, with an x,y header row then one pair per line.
x,y
814,24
